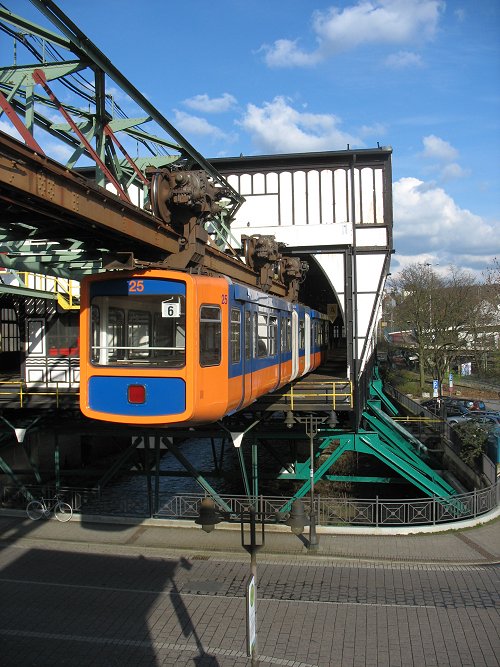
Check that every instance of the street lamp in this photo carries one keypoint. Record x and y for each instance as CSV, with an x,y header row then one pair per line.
x,y
297,519
207,515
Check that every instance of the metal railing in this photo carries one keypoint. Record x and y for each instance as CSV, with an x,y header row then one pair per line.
x,y
375,512
332,394
66,290
17,390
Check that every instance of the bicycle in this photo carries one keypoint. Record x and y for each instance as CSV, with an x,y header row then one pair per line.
x,y
43,507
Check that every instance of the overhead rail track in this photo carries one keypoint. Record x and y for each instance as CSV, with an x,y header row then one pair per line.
x,y
40,199
168,208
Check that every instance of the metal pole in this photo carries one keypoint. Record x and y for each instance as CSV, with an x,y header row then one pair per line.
x,y
253,572
313,538
253,545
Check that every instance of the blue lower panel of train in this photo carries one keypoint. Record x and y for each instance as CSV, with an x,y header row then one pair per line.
x,y
137,396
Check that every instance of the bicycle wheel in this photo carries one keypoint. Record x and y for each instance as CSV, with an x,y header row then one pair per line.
x,y
63,511
35,510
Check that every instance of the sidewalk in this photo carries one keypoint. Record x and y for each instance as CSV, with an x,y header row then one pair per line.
x,y
156,593
459,543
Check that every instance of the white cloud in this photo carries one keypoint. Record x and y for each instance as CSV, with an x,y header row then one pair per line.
x,y
367,22
194,125
453,171
403,59
57,150
276,127
286,53
429,224
9,129
60,152
439,149
443,156
207,104
375,130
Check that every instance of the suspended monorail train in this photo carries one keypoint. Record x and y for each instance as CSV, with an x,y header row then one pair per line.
x,y
163,347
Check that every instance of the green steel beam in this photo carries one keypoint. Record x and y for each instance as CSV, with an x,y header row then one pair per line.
x,y
22,75
362,480
195,474
377,389
422,477
4,466
34,29
400,460
85,49
117,465
374,415
399,444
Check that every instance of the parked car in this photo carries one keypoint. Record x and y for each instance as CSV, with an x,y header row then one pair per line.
x,y
490,420
454,417
468,403
441,407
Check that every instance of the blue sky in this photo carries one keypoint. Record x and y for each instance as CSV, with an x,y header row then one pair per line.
x,y
422,76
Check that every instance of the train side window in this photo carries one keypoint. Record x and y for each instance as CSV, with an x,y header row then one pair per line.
x,y
273,334
286,334
262,342
235,335
210,335
248,335
302,334
139,334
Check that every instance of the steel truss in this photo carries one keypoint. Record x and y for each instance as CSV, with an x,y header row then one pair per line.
x,y
50,66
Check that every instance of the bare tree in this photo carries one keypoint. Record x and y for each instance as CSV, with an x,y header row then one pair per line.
x,y
443,312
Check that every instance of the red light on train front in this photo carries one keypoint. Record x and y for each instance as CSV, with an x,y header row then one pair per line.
x,y
136,393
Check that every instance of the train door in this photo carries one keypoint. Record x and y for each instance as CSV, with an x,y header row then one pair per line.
x,y
274,345
295,344
307,347
236,357
247,354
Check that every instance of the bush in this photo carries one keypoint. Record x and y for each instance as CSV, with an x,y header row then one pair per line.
x,y
405,381
473,439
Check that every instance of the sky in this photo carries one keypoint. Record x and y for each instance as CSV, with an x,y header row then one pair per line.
x,y
283,76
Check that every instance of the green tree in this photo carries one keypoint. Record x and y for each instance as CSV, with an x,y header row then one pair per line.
x,y
473,439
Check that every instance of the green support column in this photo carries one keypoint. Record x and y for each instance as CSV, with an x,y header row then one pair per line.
x,y
255,469
196,475
156,506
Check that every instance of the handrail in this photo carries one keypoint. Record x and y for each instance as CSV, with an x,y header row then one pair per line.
x,y
67,290
24,392
330,392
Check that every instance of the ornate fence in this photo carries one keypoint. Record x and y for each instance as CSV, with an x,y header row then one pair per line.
x,y
331,511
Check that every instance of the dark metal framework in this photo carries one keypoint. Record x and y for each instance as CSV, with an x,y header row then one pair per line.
x,y
50,66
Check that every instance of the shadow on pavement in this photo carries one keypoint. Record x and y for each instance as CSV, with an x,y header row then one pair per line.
x,y
61,608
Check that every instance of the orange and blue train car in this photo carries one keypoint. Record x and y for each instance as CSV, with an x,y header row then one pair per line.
x,y
164,347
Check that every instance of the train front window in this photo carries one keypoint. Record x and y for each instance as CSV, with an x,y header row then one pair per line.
x,y
139,332
146,330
